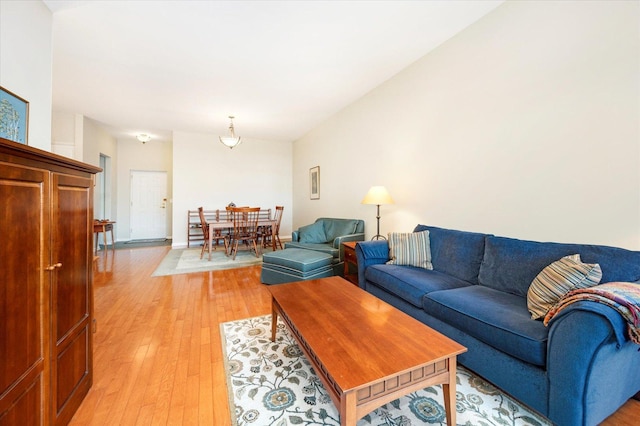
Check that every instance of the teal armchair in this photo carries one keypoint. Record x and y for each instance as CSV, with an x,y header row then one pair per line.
x,y
327,235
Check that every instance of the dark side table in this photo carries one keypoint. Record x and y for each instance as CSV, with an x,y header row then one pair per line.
x,y
350,262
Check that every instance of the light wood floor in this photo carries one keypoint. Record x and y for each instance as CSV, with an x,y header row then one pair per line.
x,y
157,349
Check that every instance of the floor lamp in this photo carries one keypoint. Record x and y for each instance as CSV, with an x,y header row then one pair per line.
x,y
377,195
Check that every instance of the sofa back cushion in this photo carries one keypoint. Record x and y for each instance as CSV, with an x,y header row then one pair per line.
x,y
334,228
510,264
457,253
313,233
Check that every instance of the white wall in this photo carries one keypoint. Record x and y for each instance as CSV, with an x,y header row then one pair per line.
x,y
208,174
92,140
133,155
67,134
95,140
25,62
526,124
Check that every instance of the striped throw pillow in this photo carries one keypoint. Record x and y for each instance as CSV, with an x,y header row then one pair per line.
x,y
412,249
558,279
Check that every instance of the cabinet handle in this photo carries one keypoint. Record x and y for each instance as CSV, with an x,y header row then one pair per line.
x,y
52,267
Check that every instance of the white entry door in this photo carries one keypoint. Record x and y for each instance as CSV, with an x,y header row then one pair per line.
x,y
148,205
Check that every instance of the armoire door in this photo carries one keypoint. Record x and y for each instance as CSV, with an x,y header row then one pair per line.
x,y
24,295
71,238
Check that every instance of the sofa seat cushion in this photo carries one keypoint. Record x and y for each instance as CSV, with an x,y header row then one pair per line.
x,y
410,283
323,248
498,319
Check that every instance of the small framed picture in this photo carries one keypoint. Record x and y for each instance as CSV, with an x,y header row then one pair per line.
x,y
14,117
314,183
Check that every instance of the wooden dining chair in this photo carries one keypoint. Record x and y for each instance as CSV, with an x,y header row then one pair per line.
x,y
223,233
271,236
231,209
216,237
264,230
245,229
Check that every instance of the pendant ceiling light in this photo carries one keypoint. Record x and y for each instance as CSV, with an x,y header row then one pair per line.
x,y
232,140
143,137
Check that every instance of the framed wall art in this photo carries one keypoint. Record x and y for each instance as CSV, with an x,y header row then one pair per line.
x,y
314,183
14,117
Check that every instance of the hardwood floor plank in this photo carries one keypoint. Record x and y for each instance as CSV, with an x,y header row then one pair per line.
x,y
158,352
205,387
146,415
221,409
191,408
146,358
160,388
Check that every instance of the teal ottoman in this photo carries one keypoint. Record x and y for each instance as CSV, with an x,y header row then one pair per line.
x,y
295,264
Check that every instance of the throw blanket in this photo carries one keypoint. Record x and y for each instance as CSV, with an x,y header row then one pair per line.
x,y
623,297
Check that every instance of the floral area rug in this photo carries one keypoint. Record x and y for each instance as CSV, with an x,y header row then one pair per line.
x,y
273,384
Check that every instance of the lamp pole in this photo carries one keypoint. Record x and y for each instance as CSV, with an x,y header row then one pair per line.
x,y
377,195
378,236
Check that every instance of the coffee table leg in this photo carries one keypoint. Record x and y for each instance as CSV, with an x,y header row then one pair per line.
x,y
449,390
274,321
348,409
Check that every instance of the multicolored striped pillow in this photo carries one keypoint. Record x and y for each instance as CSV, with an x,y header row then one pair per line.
x,y
411,249
558,279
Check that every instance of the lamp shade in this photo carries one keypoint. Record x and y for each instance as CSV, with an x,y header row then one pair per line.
x,y
377,195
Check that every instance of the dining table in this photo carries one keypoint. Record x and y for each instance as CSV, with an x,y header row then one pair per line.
x,y
228,224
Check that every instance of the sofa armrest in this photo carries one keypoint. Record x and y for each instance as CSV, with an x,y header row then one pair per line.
x,y
603,312
295,236
337,242
588,351
370,253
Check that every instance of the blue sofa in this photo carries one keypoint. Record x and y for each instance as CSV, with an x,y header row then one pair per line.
x,y
326,235
577,371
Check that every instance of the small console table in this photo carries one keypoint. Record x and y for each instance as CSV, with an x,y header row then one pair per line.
x,y
103,226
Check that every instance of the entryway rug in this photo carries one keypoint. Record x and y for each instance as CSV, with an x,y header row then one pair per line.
x,y
185,261
273,384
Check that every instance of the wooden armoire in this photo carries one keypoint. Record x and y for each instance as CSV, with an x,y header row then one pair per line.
x,y
46,296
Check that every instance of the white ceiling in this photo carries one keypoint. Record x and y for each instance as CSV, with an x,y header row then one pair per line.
x,y
281,67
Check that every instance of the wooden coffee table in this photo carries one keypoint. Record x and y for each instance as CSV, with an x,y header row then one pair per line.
x,y
365,351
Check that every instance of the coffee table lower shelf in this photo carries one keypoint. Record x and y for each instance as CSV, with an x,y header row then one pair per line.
x,y
355,403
